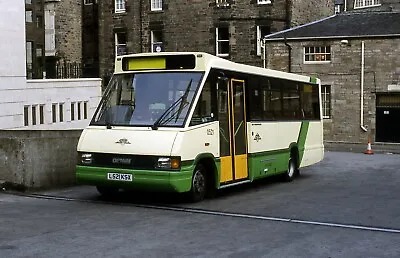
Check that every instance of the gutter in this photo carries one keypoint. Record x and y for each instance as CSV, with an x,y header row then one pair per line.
x,y
362,88
141,26
290,55
334,37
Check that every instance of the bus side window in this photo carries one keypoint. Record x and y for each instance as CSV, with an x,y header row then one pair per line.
x,y
308,101
204,111
254,103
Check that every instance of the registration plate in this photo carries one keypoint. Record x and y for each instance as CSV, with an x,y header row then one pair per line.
x,y
119,177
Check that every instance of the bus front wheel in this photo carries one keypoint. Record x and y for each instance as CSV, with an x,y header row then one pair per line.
x,y
107,191
199,184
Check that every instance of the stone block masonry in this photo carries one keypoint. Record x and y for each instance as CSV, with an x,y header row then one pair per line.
x,y
38,159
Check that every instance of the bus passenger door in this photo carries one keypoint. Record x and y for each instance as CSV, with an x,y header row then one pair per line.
x,y
233,142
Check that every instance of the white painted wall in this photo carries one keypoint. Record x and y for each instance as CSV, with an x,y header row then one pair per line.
x,y
12,61
84,95
19,97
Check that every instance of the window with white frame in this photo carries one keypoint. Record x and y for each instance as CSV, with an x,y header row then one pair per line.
x,y
26,115
264,2
222,41
61,112
41,114
120,43
119,6
156,38
326,101
337,8
29,59
34,116
366,3
89,1
262,31
320,54
29,16
156,5
222,2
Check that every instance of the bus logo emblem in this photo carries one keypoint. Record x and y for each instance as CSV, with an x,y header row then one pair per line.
x,y
257,137
123,141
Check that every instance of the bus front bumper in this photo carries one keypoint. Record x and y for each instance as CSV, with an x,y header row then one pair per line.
x,y
150,180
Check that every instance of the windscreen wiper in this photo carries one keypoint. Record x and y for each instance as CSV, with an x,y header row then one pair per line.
x,y
168,111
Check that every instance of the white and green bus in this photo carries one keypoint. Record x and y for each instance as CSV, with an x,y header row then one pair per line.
x,y
191,122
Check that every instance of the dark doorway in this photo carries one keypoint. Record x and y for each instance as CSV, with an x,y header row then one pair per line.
x,y
388,118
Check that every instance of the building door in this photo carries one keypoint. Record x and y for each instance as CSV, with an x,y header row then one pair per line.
x,y
387,118
233,131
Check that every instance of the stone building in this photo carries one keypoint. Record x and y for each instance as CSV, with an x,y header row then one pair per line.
x,y
35,40
366,5
227,28
90,38
63,29
356,55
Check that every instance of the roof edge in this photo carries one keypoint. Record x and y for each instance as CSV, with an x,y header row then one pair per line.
x,y
299,27
336,37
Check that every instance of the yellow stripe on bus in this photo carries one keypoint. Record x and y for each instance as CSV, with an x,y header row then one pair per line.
x,y
241,170
226,169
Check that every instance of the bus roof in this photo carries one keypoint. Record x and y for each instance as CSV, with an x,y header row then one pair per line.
x,y
195,61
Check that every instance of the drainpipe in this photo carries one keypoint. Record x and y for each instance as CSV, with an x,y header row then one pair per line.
x,y
362,88
345,5
290,55
141,26
264,53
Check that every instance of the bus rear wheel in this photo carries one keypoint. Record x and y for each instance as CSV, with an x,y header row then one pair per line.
x,y
198,188
291,171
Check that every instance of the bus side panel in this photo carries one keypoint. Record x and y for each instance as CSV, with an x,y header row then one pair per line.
x,y
197,140
288,132
314,146
268,163
268,146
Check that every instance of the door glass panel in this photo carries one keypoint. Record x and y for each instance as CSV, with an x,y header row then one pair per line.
x,y
223,115
239,118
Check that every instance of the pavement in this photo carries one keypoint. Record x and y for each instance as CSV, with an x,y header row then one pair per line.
x,y
378,147
345,206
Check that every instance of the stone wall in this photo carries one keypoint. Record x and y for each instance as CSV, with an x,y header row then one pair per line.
x,y
38,159
190,25
307,11
68,28
343,74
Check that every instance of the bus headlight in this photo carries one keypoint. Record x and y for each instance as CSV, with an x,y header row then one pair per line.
x,y
86,158
169,163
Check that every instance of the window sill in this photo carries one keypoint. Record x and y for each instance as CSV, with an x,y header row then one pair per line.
x,y
223,5
317,62
367,6
223,55
120,11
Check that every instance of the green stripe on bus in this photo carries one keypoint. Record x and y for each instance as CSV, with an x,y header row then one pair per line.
x,y
301,141
267,153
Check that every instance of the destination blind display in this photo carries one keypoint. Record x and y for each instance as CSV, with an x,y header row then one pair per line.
x,y
163,62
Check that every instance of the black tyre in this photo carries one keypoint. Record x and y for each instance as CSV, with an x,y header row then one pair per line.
x,y
198,189
107,191
292,170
